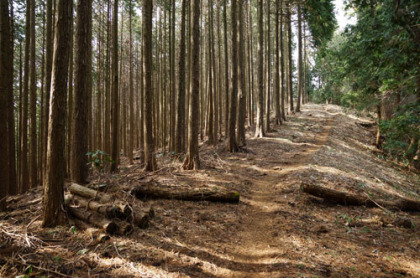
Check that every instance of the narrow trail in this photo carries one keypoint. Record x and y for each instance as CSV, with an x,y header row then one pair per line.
x,y
258,242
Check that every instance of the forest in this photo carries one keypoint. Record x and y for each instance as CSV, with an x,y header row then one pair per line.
x,y
209,138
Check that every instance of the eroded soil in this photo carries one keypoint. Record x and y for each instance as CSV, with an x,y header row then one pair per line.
x,y
275,230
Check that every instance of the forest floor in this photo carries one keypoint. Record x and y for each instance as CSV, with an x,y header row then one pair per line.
x,y
274,231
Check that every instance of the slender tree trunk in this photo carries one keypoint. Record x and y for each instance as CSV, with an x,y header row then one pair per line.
x,y
211,123
259,129
173,81
115,102
131,96
70,99
9,58
242,74
150,158
289,60
33,100
227,76
192,160
300,71
107,124
231,144
277,74
268,84
180,124
54,180
24,133
48,57
79,162
282,57
6,88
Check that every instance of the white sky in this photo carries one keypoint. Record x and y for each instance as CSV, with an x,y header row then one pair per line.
x,y
343,17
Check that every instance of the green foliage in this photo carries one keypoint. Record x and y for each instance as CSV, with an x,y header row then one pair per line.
x,y
321,20
401,130
99,160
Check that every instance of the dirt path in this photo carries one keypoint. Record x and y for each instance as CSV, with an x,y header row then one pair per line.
x,y
275,230
259,240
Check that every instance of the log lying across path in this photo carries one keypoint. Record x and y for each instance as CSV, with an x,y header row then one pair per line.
x,y
343,198
150,191
108,210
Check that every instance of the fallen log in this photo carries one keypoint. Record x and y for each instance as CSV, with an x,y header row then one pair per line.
x,y
141,217
185,194
95,219
108,210
100,197
83,191
97,235
344,198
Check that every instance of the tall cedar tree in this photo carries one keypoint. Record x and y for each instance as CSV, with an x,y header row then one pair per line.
x,y
24,132
242,72
259,129
150,158
180,122
300,73
192,160
83,43
47,82
231,143
54,179
278,72
6,88
115,102
33,99
289,54
268,71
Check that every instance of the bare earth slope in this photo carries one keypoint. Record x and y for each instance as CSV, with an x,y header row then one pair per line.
x,y
275,231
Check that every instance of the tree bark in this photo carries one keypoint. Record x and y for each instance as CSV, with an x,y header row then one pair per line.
x,y
289,57
97,220
180,123
242,74
185,194
79,162
300,69
268,70
115,102
192,160
232,145
33,99
355,200
6,88
259,129
54,178
150,158
227,75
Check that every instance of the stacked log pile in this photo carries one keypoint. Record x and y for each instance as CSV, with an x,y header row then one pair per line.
x,y
103,211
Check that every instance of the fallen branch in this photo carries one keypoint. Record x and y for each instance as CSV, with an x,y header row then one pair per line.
x,y
355,200
201,194
83,191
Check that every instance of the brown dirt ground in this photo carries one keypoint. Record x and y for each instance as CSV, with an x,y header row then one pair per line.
x,y
275,231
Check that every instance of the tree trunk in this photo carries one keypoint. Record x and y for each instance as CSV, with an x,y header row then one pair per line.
x,y
282,57
231,143
33,99
54,179
348,199
259,129
268,84
109,226
185,194
289,59
6,88
192,160
227,76
242,74
115,102
277,77
150,158
180,123
79,162
300,69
